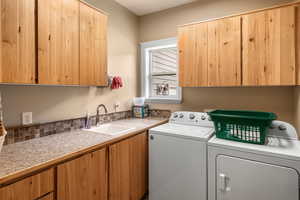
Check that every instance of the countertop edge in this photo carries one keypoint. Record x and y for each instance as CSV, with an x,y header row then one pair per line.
x,y
11,178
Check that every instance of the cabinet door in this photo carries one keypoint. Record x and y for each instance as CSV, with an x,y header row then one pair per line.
x,y
247,180
93,47
192,44
83,178
269,47
30,188
18,41
128,168
58,46
224,52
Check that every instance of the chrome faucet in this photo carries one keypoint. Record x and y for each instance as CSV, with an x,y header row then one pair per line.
x,y
98,113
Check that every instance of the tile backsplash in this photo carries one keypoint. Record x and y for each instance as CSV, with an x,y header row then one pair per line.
x,y
23,133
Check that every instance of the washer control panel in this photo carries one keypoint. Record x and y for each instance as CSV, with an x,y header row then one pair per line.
x,y
191,118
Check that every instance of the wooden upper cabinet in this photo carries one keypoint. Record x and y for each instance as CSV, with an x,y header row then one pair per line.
x,y
193,66
210,53
30,188
224,52
83,178
93,46
58,42
128,168
269,47
18,41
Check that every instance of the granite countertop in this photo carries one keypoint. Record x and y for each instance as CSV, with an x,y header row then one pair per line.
x,y
19,159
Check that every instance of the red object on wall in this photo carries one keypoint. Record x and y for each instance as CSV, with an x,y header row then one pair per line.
x,y
116,83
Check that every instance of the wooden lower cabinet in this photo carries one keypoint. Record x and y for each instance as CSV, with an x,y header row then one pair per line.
x,y
84,178
128,168
30,188
122,173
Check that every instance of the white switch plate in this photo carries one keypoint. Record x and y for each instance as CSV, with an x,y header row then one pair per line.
x,y
26,118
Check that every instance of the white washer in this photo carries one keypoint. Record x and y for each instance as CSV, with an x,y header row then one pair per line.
x,y
178,157
240,171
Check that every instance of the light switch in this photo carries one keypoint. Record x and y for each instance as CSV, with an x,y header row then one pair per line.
x,y
26,118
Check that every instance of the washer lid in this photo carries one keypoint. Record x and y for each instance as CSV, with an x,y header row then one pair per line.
x,y
276,147
184,131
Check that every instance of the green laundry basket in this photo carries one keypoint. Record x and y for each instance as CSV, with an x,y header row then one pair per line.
x,y
242,126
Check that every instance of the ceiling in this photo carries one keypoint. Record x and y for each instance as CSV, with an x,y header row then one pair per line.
x,y
143,7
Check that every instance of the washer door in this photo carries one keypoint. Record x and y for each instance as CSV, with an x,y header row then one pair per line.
x,y
177,168
241,179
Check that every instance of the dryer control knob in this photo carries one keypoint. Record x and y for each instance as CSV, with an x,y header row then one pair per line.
x,y
181,115
175,115
282,127
203,117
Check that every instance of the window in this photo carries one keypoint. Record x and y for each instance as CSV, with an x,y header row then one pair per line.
x,y
160,71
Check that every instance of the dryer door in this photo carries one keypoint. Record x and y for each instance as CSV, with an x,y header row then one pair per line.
x,y
241,179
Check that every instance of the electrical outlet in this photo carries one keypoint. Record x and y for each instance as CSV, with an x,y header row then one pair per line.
x,y
26,118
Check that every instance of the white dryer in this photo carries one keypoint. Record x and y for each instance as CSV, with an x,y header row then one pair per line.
x,y
240,171
178,157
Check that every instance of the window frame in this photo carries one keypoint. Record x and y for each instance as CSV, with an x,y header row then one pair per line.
x,y
146,47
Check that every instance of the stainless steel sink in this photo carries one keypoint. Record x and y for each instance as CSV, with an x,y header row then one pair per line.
x,y
110,129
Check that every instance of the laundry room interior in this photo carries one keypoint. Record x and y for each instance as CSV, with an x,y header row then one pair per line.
x,y
149,100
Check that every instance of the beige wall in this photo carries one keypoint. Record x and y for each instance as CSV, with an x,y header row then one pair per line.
x,y
164,24
57,103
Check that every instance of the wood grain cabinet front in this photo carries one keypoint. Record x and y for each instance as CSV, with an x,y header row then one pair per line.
x,y
269,52
84,178
193,63
52,42
58,42
224,52
47,197
18,58
128,168
256,49
210,53
30,188
93,46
